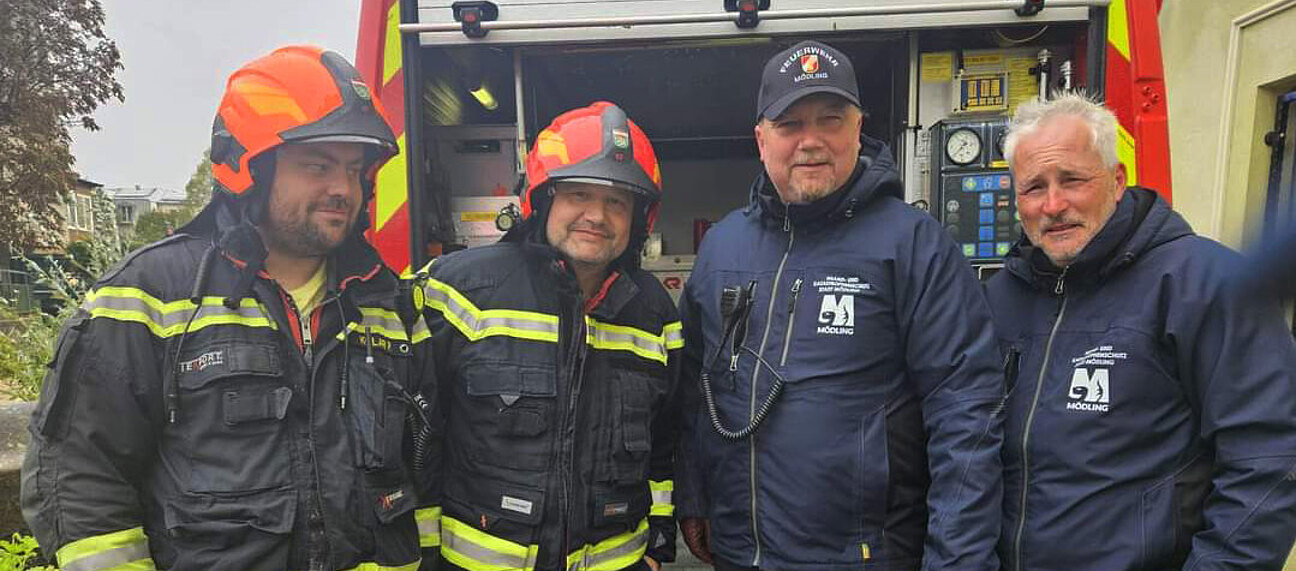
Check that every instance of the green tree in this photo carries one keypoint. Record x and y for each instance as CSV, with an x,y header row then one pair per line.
x,y
56,68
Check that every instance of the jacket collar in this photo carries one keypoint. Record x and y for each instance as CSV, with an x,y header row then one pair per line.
x,y
1142,221
223,224
875,175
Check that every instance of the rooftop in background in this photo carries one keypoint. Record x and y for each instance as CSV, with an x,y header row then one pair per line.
x,y
151,194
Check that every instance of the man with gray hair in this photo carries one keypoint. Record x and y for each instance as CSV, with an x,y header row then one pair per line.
x,y
1151,413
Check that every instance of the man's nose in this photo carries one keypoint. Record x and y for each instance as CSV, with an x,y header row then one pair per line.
x,y
595,211
1055,201
343,183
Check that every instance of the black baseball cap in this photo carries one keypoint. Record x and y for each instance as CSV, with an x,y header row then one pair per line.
x,y
806,68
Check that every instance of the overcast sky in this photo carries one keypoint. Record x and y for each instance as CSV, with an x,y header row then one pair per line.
x,y
178,54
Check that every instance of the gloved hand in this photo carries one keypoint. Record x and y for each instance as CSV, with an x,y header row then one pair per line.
x,y
697,536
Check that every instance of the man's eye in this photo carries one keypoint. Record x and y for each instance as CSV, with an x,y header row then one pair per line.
x,y
316,167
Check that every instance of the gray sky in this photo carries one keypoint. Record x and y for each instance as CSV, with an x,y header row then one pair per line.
x,y
178,54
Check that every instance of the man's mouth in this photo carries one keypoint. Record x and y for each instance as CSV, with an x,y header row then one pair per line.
x,y
1061,227
589,232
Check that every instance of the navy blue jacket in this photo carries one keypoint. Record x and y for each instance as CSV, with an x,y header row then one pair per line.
x,y
883,447
1152,416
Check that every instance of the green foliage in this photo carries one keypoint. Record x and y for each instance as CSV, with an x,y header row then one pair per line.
x,y
56,68
21,554
153,226
27,343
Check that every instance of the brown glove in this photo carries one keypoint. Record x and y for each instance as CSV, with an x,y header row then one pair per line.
x,y
697,536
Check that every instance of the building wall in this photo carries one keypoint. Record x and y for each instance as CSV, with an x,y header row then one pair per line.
x,y
1226,62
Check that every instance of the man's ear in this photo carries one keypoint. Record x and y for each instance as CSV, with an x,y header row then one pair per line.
x,y
1121,179
760,139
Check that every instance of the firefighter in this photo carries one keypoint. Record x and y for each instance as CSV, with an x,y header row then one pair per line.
x,y
557,358
236,396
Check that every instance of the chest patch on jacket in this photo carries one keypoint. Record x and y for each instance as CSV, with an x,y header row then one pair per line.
x,y
201,362
1090,388
837,303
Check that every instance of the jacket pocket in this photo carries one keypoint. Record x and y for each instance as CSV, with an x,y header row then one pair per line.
x,y
620,507
501,509
245,531
632,441
233,401
1172,513
56,399
395,534
511,410
376,413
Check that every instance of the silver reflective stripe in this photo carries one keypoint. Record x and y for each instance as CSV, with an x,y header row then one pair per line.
x,y
382,321
429,526
674,337
109,558
661,497
604,336
167,318
470,550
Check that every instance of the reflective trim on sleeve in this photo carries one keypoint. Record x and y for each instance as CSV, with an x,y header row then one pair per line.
x,y
370,566
168,319
474,550
612,554
674,333
476,324
661,497
125,550
429,526
623,338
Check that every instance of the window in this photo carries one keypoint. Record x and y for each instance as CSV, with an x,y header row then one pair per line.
x,y
126,213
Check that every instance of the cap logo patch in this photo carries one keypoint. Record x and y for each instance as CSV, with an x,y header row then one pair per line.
x,y
810,63
361,89
620,139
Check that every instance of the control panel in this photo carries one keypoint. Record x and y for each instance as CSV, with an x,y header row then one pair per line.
x,y
972,191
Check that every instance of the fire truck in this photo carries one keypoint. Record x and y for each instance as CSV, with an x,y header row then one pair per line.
x,y
469,84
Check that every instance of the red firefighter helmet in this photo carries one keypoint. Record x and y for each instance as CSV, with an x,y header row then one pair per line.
x,y
596,144
295,94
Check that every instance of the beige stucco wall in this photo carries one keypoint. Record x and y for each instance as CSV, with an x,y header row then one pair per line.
x,y
1226,61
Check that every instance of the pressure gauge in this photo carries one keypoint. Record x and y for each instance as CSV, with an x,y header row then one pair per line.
x,y
963,146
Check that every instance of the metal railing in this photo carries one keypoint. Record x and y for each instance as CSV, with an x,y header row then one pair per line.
x,y
17,291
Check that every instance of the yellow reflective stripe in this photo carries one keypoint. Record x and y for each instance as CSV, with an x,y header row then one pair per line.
x,y
167,319
429,526
662,503
369,566
476,324
612,554
391,45
1125,147
474,550
125,550
674,333
1118,27
622,338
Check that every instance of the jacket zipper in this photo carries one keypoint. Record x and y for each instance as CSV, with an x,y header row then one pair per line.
x,y
566,454
751,442
1058,289
787,337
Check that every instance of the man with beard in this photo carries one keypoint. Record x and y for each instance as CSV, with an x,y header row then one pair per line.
x,y
556,357
235,396
840,379
1152,417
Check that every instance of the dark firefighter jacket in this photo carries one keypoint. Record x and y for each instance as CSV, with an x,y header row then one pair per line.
x,y
194,428
1152,418
559,424
883,449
